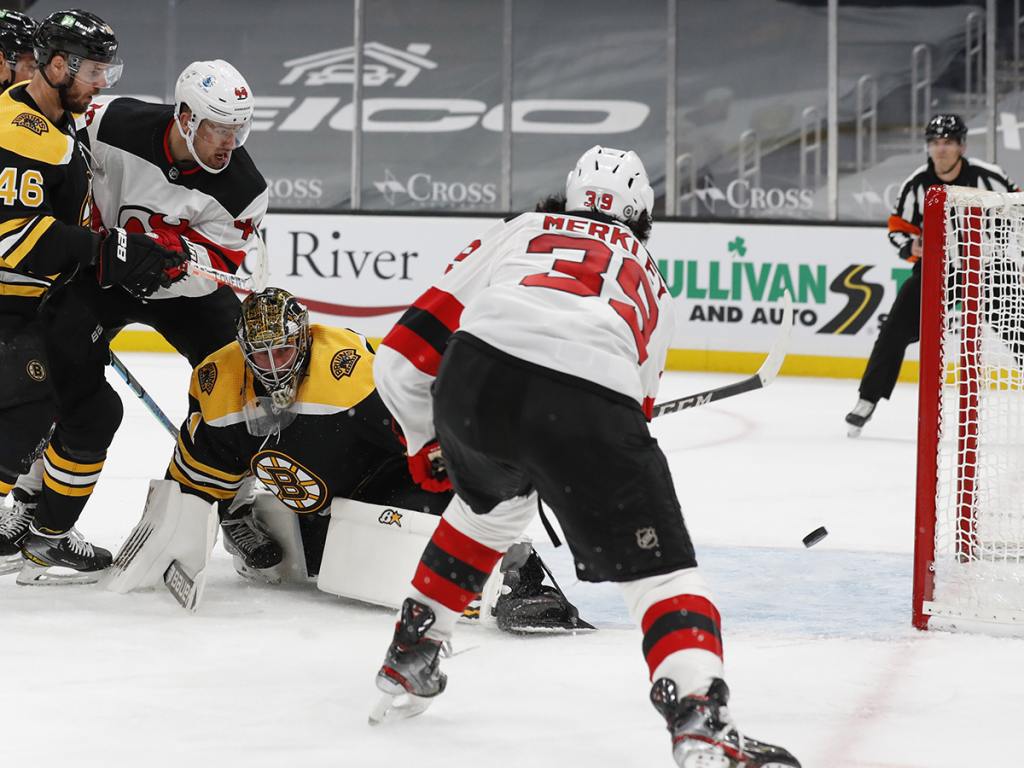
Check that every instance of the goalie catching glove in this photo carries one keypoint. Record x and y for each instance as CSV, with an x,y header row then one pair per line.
x,y
137,262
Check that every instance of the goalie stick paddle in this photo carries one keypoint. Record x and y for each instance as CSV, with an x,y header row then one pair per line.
x,y
765,374
185,589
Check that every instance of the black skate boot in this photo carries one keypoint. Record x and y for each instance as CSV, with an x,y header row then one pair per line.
x,y
66,552
411,675
254,551
859,416
704,736
526,604
14,522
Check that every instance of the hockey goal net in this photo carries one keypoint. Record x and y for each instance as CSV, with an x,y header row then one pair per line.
x,y
969,548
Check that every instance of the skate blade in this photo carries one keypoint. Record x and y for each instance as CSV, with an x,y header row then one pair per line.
x,y
394,707
270,575
852,431
11,564
34,575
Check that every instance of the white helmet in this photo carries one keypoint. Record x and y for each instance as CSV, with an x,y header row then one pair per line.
x,y
217,92
609,181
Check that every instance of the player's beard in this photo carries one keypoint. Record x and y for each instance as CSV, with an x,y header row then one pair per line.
x,y
74,104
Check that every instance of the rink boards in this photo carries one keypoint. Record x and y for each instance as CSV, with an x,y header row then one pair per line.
x,y
361,271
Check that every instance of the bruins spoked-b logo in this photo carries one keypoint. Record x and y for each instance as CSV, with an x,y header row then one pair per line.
x,y
295,486
34,123
207,377
343,363
35,370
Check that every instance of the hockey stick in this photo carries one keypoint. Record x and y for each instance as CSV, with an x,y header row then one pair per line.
x,y
141,393
765,374
255,282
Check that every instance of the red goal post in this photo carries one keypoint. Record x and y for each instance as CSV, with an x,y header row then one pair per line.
x,y
969,532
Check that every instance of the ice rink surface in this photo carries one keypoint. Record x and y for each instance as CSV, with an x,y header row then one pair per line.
x,y
819,649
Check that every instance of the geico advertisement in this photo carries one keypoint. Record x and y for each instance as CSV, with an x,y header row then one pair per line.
x,y
726,280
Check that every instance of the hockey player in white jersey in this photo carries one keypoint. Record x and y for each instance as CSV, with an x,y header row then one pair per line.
x,y
532,365
179,173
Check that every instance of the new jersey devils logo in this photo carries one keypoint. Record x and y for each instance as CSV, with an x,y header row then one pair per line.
x,y
241,92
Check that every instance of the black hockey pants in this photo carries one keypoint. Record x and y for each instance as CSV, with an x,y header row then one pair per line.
x,y
80,321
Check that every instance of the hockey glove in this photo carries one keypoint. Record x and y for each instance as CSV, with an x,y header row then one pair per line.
x,y
428,470
136,262
907,252
172,241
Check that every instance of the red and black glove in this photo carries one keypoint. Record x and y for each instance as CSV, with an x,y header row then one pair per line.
x,y
172,241
136,262
428,469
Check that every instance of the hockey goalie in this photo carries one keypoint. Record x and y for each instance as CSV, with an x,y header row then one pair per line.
x,y
293,406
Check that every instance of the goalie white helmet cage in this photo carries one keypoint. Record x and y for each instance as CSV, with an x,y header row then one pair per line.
x,y
214,91
609,181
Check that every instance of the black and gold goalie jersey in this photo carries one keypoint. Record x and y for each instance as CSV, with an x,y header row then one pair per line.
x,y
45,201
341,431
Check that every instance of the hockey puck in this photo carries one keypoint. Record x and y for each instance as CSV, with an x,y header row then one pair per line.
x,y
815,536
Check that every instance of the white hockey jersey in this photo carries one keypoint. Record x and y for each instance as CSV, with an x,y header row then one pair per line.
x,y
564,291
138,186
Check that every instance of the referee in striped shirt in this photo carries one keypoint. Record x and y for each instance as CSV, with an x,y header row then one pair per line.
x,y
946,136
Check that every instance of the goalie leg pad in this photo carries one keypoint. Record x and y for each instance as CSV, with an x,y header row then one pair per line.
x,y
372,551
175,527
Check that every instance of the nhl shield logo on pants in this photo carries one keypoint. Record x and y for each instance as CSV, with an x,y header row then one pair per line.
x,y
647,538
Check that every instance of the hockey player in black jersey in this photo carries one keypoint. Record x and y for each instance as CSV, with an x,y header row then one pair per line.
x,y
294,405
180,174
946,142
18,62
45,240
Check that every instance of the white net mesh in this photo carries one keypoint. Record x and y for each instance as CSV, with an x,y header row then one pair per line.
x,y
979,512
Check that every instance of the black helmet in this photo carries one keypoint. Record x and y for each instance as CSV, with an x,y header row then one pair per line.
x,y
77,33
946,126
16,31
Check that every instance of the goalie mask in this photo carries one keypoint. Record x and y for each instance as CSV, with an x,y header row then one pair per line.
x,y
273,332
220,106
612,182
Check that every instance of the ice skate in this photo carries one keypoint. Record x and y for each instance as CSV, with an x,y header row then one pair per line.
x,y
14,522
526,604
64,558
704,736
859,416
256,555
410,677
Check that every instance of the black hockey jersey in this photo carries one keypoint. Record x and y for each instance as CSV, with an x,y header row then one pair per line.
x,y
138,186
342,431
45,201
